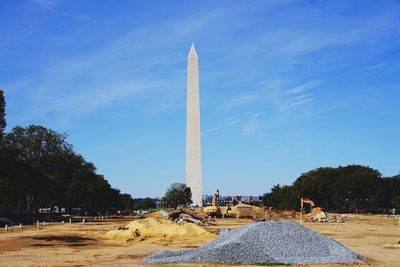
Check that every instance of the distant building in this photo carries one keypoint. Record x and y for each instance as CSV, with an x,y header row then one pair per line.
x,y
238,199
207,199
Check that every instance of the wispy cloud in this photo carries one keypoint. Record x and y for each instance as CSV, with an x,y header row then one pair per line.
x,y
304,87
240,100
60,89
297,96
376,66
46,4
285,97
297,103
75,16
226,123
247,123
51,6
252,124
149,61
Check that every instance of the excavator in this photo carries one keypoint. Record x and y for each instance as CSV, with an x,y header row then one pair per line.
x,y
315,213
214,210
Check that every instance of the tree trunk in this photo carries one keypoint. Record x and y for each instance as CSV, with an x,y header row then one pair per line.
x,y
29,202
19,205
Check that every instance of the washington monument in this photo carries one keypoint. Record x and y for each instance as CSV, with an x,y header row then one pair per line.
x,y
193,142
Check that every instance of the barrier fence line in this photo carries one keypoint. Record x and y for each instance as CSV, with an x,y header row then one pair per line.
x,y
44,223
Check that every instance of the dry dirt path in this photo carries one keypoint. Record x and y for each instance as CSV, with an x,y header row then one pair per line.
x,y
80,245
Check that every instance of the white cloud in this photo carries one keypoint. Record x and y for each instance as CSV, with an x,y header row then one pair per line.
x,y
226,123
46,4
296,103
373,67
240,100
252,124
304,87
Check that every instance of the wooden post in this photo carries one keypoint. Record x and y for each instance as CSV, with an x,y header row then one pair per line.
x,y
398,225
37,225
5,228
301,211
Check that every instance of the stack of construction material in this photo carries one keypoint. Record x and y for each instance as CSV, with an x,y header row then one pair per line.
x,y
324,217
261,243
181,215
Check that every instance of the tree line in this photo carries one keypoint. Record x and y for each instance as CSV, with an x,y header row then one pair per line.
x,y
351,188
39,168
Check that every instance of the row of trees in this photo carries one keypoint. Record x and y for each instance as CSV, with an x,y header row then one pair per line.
x,y
178,194
39,168
353,188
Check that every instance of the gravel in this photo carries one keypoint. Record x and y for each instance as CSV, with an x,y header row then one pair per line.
x,y
263,242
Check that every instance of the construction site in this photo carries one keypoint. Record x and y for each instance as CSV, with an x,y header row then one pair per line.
x,y
291,104
242,235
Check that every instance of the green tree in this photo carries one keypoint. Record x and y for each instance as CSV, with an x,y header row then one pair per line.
x,y
42,170
350,188
39,168
178,194
127,201
47,153
21,185
145,204
392,192
3,122
280,197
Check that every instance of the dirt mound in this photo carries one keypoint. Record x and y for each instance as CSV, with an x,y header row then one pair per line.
x,y
161,214
153,227
120,234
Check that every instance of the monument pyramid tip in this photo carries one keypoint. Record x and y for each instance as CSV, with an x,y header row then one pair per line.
x,y
192,51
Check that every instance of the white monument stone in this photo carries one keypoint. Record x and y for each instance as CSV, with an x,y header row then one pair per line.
x,y
193,143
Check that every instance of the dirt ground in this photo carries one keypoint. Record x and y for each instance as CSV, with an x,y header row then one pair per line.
x,y
81,244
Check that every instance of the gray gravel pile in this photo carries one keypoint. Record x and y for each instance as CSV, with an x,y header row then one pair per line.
x,y
264,242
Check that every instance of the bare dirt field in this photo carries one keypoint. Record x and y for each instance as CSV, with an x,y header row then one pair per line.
x,y
82,245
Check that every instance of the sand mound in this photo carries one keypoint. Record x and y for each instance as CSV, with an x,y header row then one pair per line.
x,y
153,227
120,235
161,214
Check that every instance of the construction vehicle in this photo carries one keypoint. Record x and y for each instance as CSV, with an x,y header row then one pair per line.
x,y
315,213
214,210
244,211
238,211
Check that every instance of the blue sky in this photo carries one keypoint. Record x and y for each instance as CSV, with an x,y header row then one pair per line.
x,y
286,86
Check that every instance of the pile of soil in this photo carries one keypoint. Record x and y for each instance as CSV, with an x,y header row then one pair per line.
x,y
153,227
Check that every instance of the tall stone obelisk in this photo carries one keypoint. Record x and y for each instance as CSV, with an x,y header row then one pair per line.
x,y
193,143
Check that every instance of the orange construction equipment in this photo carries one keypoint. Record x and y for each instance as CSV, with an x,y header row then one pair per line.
x,y
315,211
